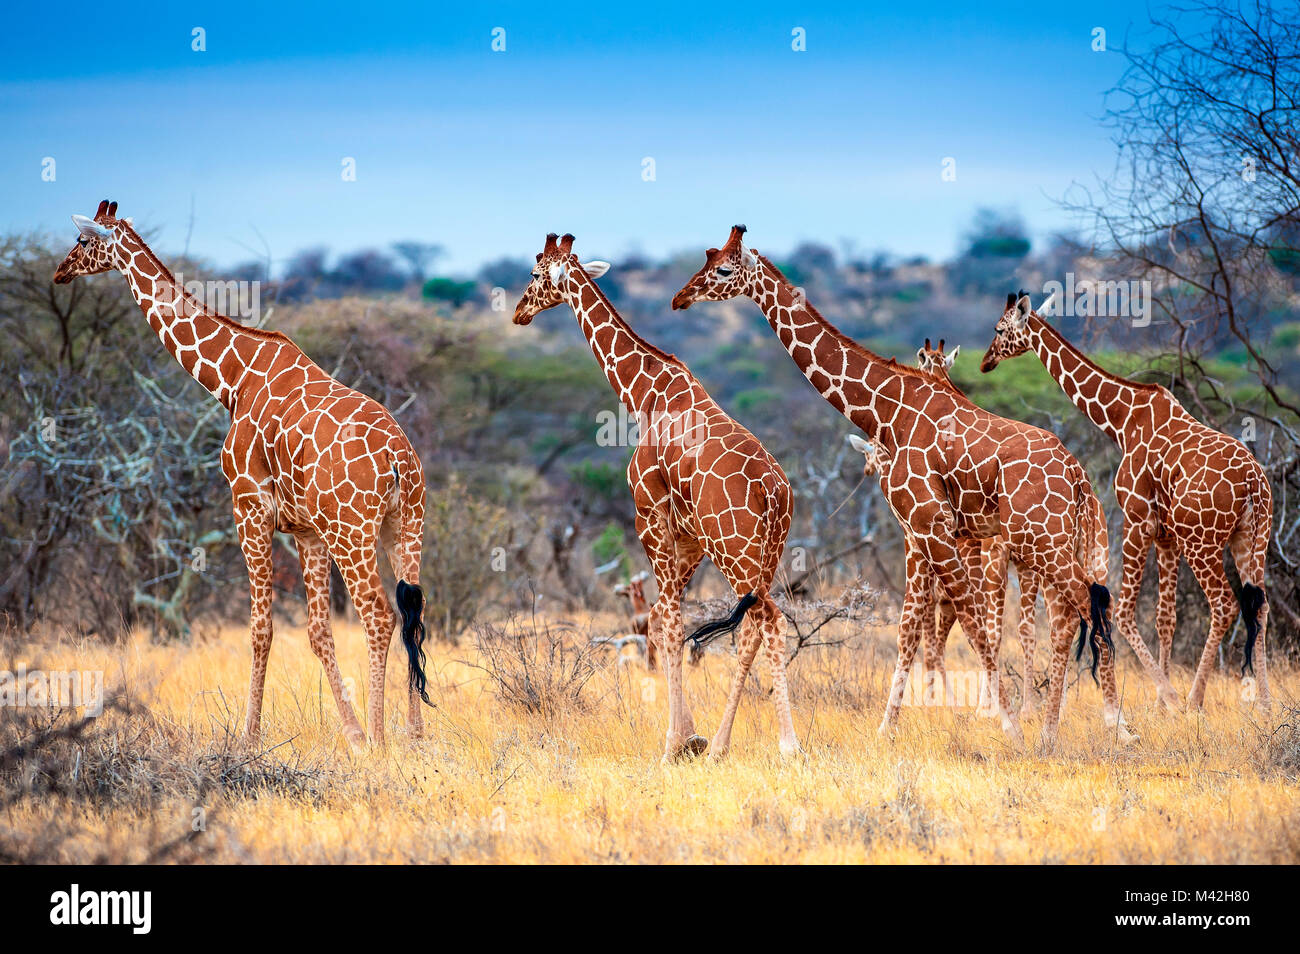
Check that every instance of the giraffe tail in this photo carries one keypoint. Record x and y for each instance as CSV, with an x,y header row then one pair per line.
x,y
1099,607
1092,551
410,598
410,603
1252,601
718,627
1252,598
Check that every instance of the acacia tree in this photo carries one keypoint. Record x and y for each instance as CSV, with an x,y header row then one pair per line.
x,y
1204,204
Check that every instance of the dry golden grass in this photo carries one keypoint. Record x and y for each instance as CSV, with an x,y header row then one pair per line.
x,y
583,783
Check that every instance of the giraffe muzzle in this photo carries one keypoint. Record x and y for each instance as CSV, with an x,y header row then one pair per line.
x,y
682,300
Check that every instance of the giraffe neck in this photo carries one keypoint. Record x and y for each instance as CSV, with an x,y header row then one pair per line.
x,y
878,395
213,349
630,363
1106,399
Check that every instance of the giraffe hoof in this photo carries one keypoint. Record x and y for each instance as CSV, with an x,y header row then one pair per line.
x,y
692,747
1170,700
695,745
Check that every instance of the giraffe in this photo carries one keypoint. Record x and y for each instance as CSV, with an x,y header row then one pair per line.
x,y
701,484
1184,488
953,470
935,361
634,592
304,455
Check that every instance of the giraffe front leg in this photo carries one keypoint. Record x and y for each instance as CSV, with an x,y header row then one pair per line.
x,y
314,559
256,527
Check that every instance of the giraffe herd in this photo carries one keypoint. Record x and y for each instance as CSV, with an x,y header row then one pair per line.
x,y
974,493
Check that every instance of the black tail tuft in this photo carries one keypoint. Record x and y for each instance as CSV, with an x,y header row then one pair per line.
x,y
715,628
410,603
1252,601
1099,602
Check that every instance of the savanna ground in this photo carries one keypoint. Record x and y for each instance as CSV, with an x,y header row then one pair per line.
x,y
579,778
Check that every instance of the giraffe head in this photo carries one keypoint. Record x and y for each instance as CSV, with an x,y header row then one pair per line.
x,y
634,590
933,361
551,277
97,244
1011,337
728,272
873,458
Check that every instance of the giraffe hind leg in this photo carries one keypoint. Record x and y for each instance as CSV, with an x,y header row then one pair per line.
x,y
1249,556
1028,637
750,639
360,570
314,559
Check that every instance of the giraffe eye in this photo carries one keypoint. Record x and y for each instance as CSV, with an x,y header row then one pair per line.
x,y
83,241
725,272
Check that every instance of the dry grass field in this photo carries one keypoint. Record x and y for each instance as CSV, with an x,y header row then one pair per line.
x,y
581,780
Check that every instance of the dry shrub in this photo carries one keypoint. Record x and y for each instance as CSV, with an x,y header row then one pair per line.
x,y
124,758
1279,751
537,668
461,533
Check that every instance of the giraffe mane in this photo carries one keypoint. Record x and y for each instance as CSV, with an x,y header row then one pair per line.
x,y
841,336
1093,365
166,275
663,356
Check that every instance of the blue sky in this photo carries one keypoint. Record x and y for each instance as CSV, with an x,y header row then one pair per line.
x,y
485,152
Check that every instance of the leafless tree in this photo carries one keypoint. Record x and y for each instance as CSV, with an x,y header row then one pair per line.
x,y
1204,203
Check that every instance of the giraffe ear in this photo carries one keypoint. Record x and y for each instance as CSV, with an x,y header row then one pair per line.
x,y
859,445
557,272
951,357
1023,307
595,269
90,228
747,257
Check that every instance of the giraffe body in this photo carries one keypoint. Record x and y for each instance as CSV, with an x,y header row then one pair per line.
x,y
954,470
701,485
304,455
1184,488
